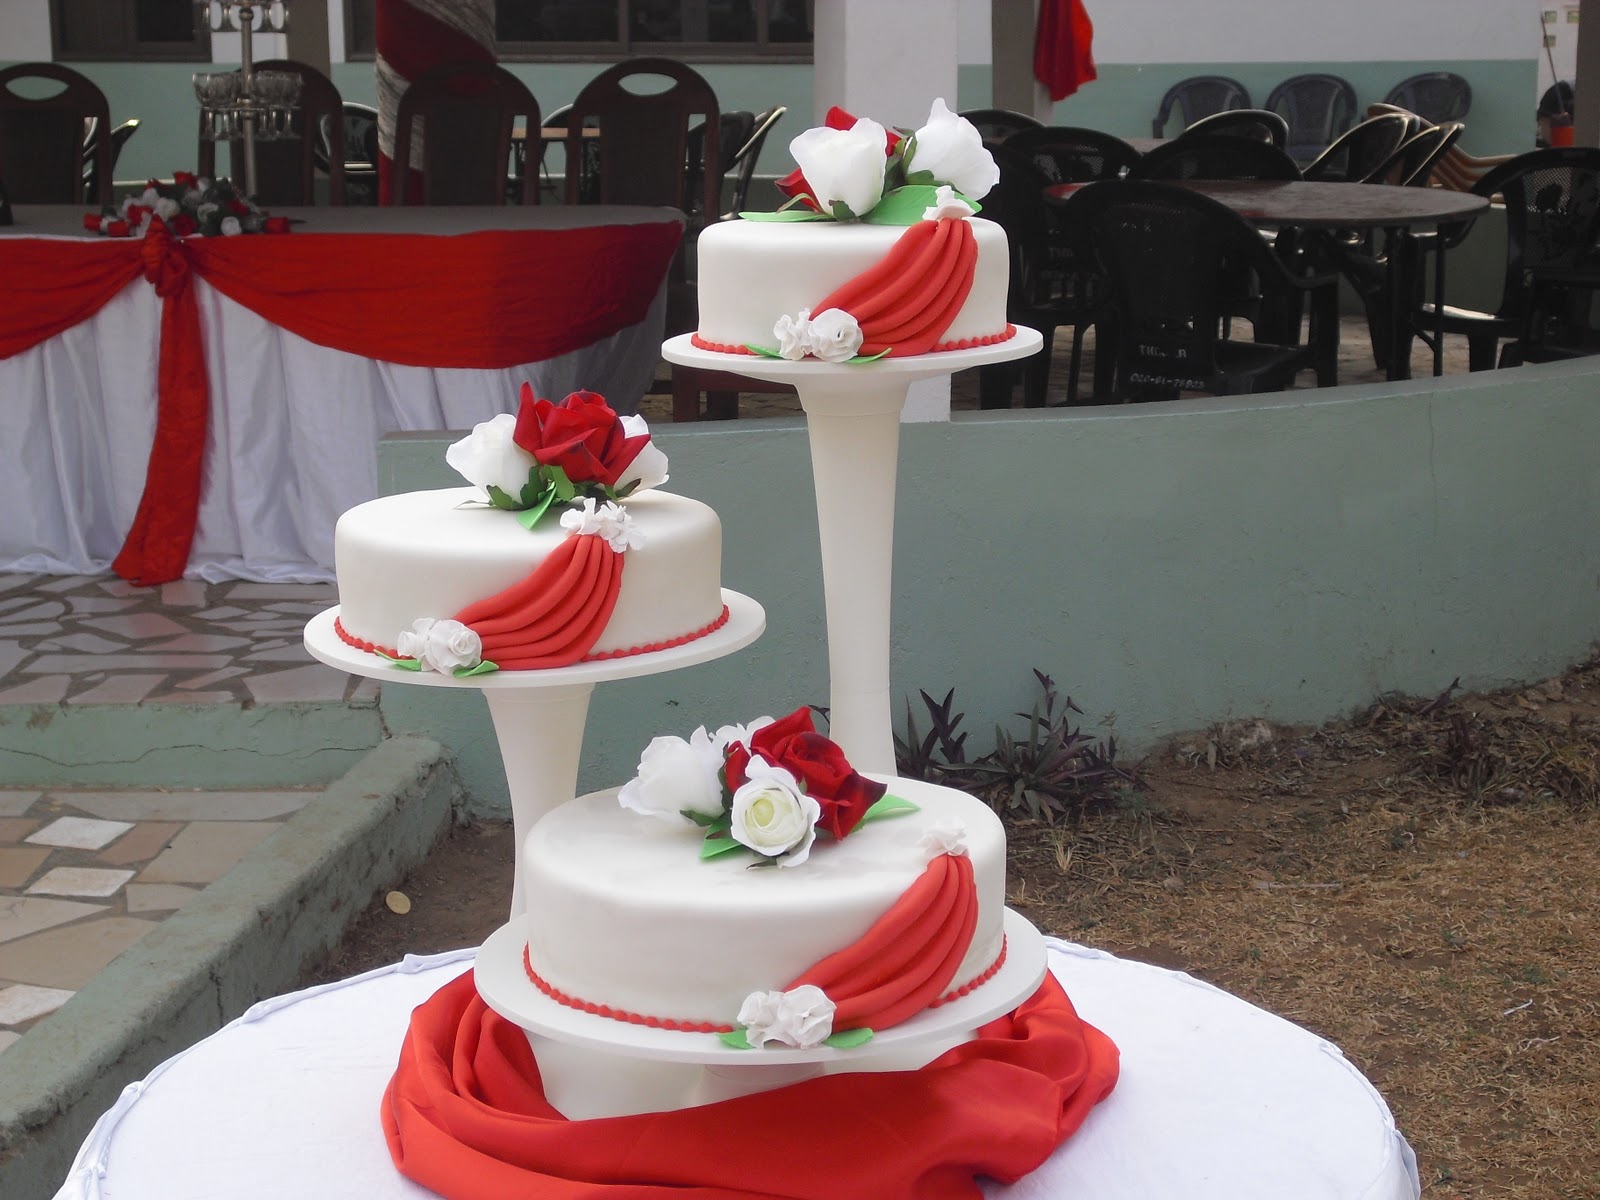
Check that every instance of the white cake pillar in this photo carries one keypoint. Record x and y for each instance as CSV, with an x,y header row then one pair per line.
x,y
540,731
889,60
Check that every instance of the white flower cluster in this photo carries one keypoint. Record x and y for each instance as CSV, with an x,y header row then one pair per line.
x,y
677,776
947,836
610,520
832,335
440,646
802,1017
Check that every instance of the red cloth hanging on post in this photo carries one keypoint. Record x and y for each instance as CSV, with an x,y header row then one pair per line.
x,y
1062,47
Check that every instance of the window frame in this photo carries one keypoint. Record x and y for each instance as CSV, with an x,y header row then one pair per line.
x,y
759,51
130,48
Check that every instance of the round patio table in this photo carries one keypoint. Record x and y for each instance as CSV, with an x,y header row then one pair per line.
x,y
1307,204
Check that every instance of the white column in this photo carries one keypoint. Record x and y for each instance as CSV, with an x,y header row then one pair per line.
x,y
888,60
1012,26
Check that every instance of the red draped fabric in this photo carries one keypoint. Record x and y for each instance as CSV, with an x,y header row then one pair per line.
x,y
413,300
465,1115
1063,58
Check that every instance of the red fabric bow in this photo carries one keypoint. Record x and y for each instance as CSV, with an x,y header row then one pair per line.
x,y
465,1115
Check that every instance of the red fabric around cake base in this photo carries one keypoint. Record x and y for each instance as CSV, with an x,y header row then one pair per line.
x,y
465,1115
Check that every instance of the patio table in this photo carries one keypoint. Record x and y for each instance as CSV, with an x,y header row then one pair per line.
x,y
1305,204
225,442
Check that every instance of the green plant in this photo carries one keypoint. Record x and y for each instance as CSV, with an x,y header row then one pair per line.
x,y
1048,770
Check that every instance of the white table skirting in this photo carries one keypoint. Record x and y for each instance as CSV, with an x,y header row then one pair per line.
x,y
1218,1100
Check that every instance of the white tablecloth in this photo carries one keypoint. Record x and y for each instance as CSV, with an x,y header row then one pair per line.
x,y
1218,1100
294,425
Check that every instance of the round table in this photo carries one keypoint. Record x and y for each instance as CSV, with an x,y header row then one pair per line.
x,y
1217,1099
1309,204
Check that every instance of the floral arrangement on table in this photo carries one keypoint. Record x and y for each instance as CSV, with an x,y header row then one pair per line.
x,y
769,787
854,169
190,204
578,457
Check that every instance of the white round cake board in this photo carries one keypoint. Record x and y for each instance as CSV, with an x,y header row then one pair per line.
x,y
1217,1100
746,622
576,1048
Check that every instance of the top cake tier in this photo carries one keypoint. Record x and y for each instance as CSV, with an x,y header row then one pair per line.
x,y
755,273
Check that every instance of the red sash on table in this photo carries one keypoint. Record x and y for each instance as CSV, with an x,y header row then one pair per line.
x,y
465,1115
411,299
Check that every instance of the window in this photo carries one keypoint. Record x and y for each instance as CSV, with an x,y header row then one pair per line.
x,y
615,29
129,29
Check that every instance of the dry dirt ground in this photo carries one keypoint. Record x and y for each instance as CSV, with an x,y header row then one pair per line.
x,y
1417,884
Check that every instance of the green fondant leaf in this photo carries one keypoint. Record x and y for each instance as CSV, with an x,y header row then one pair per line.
x,y
843,212
787,214
762,351
849,1039
889,806
483,668
700,819
905,205
405,664
862,358
716,847
920,179
530,516
736,1039
563,488
500,499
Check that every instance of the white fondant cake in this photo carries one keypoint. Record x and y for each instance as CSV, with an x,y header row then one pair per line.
x,y
431,554
622,911
751,273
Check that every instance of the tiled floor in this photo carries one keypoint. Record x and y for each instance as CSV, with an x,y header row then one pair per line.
x,y
85,873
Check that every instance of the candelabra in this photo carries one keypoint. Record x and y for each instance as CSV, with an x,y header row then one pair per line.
x,y
248,104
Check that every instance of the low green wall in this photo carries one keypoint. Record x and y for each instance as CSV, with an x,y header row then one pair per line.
x,y
1170,565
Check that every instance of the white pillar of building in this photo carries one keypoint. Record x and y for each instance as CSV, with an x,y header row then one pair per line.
x,y
1011,33
888,60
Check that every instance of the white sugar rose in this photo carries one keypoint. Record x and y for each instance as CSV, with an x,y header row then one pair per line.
x,y
727,735
166,209
772,816
675,776
947,836
844,165
946,204
451,645
835,335
231,227
488,457
802,1017
649,466
413,642
608,519
794,335
951,149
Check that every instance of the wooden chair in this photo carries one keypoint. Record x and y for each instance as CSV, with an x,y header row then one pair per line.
x,y
42,141
467,112
286,168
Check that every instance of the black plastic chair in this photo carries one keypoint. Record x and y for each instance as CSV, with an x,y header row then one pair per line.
x,y
1215,156
1255,123
42,140
1055,280
358,130
1318,109
746,157
1439,96
1360,150
1166,252
734,131
997,124
1196,97
1411,164
119,139
1552,201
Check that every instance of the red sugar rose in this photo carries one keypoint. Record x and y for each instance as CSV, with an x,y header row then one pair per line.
x,y
582,435
818,763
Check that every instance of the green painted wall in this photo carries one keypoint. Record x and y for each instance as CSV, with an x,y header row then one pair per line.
x,y
1170,565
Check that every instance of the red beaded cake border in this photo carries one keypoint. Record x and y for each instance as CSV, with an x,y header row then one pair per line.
x,y
350,639
618,1014
988,339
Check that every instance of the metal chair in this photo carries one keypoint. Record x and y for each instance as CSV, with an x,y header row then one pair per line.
x,y
42,141
997,124
1166,252
1439,96
1318,108
1196,97
286,168
1255,123
748,155
467,111
1360,150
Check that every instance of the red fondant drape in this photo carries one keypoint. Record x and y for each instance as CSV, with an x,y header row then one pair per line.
x,y
484,300
1063,58
465,1115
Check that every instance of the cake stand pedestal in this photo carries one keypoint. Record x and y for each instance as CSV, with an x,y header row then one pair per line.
x,y
594,1066
853,418
539,716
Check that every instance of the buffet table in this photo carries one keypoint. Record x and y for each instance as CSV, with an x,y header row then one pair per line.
x,y
1217,1100
310,347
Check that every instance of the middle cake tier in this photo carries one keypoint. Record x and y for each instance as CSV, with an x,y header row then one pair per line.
x,y
624,916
